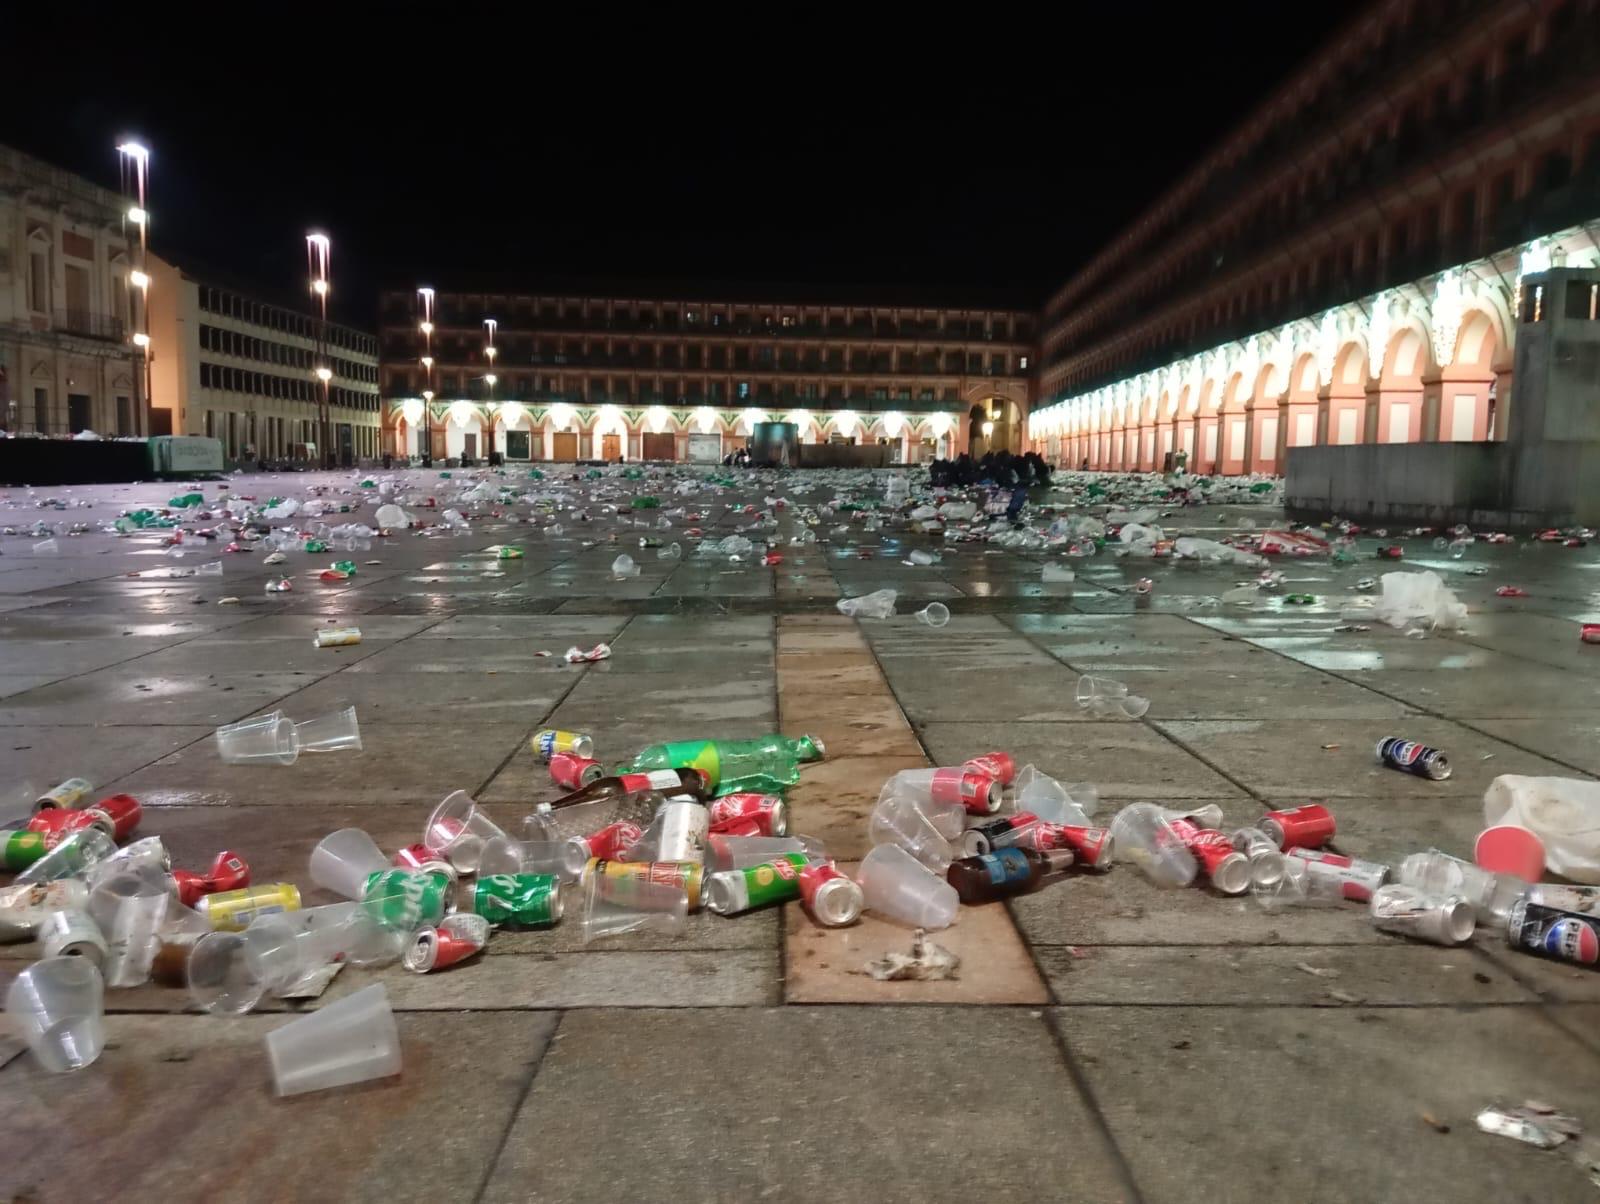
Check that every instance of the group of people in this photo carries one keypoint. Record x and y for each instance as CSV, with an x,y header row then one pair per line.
x,y
994,468
737,459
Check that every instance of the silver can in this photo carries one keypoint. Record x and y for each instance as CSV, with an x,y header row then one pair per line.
x,y
1266,862
1439,920
73,934
1356,879
683,830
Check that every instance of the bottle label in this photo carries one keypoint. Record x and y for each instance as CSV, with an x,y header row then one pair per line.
x,y
1006,865
696,754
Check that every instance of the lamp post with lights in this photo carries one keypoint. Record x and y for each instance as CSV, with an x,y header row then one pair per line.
x,y
490,325
425,308
318,255
136,176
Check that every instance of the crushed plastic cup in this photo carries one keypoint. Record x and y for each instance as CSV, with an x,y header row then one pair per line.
x,y
895,884
1564,813
264,740
876,605
457,830
1297,886
352,1041
934,614
46,547
1441,876
69,859
231,972
619,906
333,732
1052,802
343,861
948,817
503,855
672,551
741,852
623,566
1437,919
57,1006
1147,838
1106,698
902,822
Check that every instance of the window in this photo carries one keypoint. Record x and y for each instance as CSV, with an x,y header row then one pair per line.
x,y
1022,363
41,411
39,281
1582,300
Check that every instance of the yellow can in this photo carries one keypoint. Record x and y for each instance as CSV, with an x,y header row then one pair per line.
x,y
686,875
69,795
233,910
338,637
549,742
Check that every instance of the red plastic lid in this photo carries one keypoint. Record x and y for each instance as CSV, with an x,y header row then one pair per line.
x,y
1505,849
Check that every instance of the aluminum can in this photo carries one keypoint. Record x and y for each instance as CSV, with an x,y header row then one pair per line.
x,y
611,842
235,910
456,938
1425,762
1440,920
24,908
549,742
768,812
1357,879
424,860
73,933
1227,869
1307,827
1003,830
684,824
833,899
997,765
20,848
572,772
405,900
686,875
1550,932
68,794
1589,633
775,881
56,824
121,811
514,900
979,793
338,637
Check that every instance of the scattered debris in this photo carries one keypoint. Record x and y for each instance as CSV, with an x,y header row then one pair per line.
x,y
1533,1123
928,961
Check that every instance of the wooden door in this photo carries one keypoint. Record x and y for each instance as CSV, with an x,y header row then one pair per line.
x,y
658,447
610,447
565,446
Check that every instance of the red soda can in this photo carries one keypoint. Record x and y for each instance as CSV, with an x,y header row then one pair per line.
x,y
767,811
228,872
1093,846
456,938
572,772
1357,879
1004,830
611,841
421,858
1589,633
57,825
1511,591
1228,869
1393,552
832,898
996,765
1307,827
122,811
978,792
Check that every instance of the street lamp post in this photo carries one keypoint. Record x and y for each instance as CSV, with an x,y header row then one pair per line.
x,y
136,172
425,307
318,252
490,325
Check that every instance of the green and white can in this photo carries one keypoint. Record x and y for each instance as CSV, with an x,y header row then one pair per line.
x,y
514,900
777,881
405,900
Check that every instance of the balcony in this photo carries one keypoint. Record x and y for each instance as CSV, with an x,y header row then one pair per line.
x,y
87,324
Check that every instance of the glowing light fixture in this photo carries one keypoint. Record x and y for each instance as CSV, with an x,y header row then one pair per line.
x,y
845,422
427,328
656,419
988,429
893,422
411,410
750,418
511,413
801,419
324,375
939,424
140,339
137,216
427,362
462,412
138,279
490,379
560,416
427,395
706,419
1449,304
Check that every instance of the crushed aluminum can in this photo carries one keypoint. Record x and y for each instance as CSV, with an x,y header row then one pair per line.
x,y
598,653
1535,1124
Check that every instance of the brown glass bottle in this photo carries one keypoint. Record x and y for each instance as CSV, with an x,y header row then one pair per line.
x,y
669,782
1004,872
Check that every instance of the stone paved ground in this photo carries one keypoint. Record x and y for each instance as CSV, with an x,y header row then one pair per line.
x,y
1106,1040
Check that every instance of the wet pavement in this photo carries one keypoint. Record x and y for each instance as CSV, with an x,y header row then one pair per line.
x,y
1106,1039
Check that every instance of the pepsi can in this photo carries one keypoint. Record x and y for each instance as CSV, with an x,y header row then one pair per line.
x,y
1551,932
1414,758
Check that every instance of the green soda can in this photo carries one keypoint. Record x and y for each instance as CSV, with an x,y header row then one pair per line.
x,y
315,545
405,900
20,849
777,881
345,566
515,900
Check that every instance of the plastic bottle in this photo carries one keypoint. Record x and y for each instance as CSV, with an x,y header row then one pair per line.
x,y
1440,875
1004,872
735,764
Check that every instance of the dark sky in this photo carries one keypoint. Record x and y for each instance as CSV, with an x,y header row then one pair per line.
x,y
802,144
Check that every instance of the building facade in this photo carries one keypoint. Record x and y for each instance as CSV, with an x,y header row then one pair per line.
x,y
67,362
243,370
1344,267
563,376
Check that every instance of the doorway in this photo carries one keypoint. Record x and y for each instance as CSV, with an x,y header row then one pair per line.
x,y
469,445
346,437
564,446
657,447
610,447
77,412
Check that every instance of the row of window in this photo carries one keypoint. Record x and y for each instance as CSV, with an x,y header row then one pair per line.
x,y
285,388
245,346
273,438
621,393
275,317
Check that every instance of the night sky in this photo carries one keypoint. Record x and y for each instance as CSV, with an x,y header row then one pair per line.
x,y
767,145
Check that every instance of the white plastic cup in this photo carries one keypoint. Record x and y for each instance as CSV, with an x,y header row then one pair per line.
x,y
900,822
1054,803
344,860
741,852
1148,840
1442,876
457,830
503,855
934,614
623,566
352,1041
69,859
1297,886
1106,698
58,1008
329,733
622,906
1439,920
346,931
893,883
264,740
130,908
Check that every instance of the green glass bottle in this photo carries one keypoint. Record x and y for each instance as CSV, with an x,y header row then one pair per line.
x,y
769,763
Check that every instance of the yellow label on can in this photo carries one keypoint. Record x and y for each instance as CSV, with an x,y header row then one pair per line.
x,y
67,795
234,910
338,637
686,875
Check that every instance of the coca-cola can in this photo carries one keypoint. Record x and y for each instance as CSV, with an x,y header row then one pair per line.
x,y
456,938
56,825
1589,633
121,811
1226,867
572,772
730,814
1357,879
1307,827
424,860
1002,830
610,843
833,899
979,793
996,764
1440,920
1094,847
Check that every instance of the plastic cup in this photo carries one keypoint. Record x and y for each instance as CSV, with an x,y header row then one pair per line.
x,y
1148,840
902,823
1054,803
329,733
457,830
622,906
741,852
58,1008
69,859
934,614
351,1041
623,566
347,931
1508,849
130,907
1107,698
503,855
896,884
1438,920
264,740
344,860
1297,886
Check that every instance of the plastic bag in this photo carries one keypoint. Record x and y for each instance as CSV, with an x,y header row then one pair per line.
x,y
1190,548
1564,813
1423,598
879,605
392,517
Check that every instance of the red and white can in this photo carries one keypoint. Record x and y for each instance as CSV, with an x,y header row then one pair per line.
x,y
59,824
997,765
1357,879
979,793
572,772
424,860
610,843
1228,869
457,938
1589,633
228,872
1093,846
1307,827
121,811
732,815
832,899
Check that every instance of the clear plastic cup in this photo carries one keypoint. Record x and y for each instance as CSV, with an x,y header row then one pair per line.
x,y
934,614
615,907
130,908
741,852
1052,802
895,884
503,855
69,859
147,855
1207,816
344,860
329,733
348,932
457,830
264,740
58,1008
1105,698
352,1041
623,566
900,822
1146,838
1439,920
1298,886
1442,876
